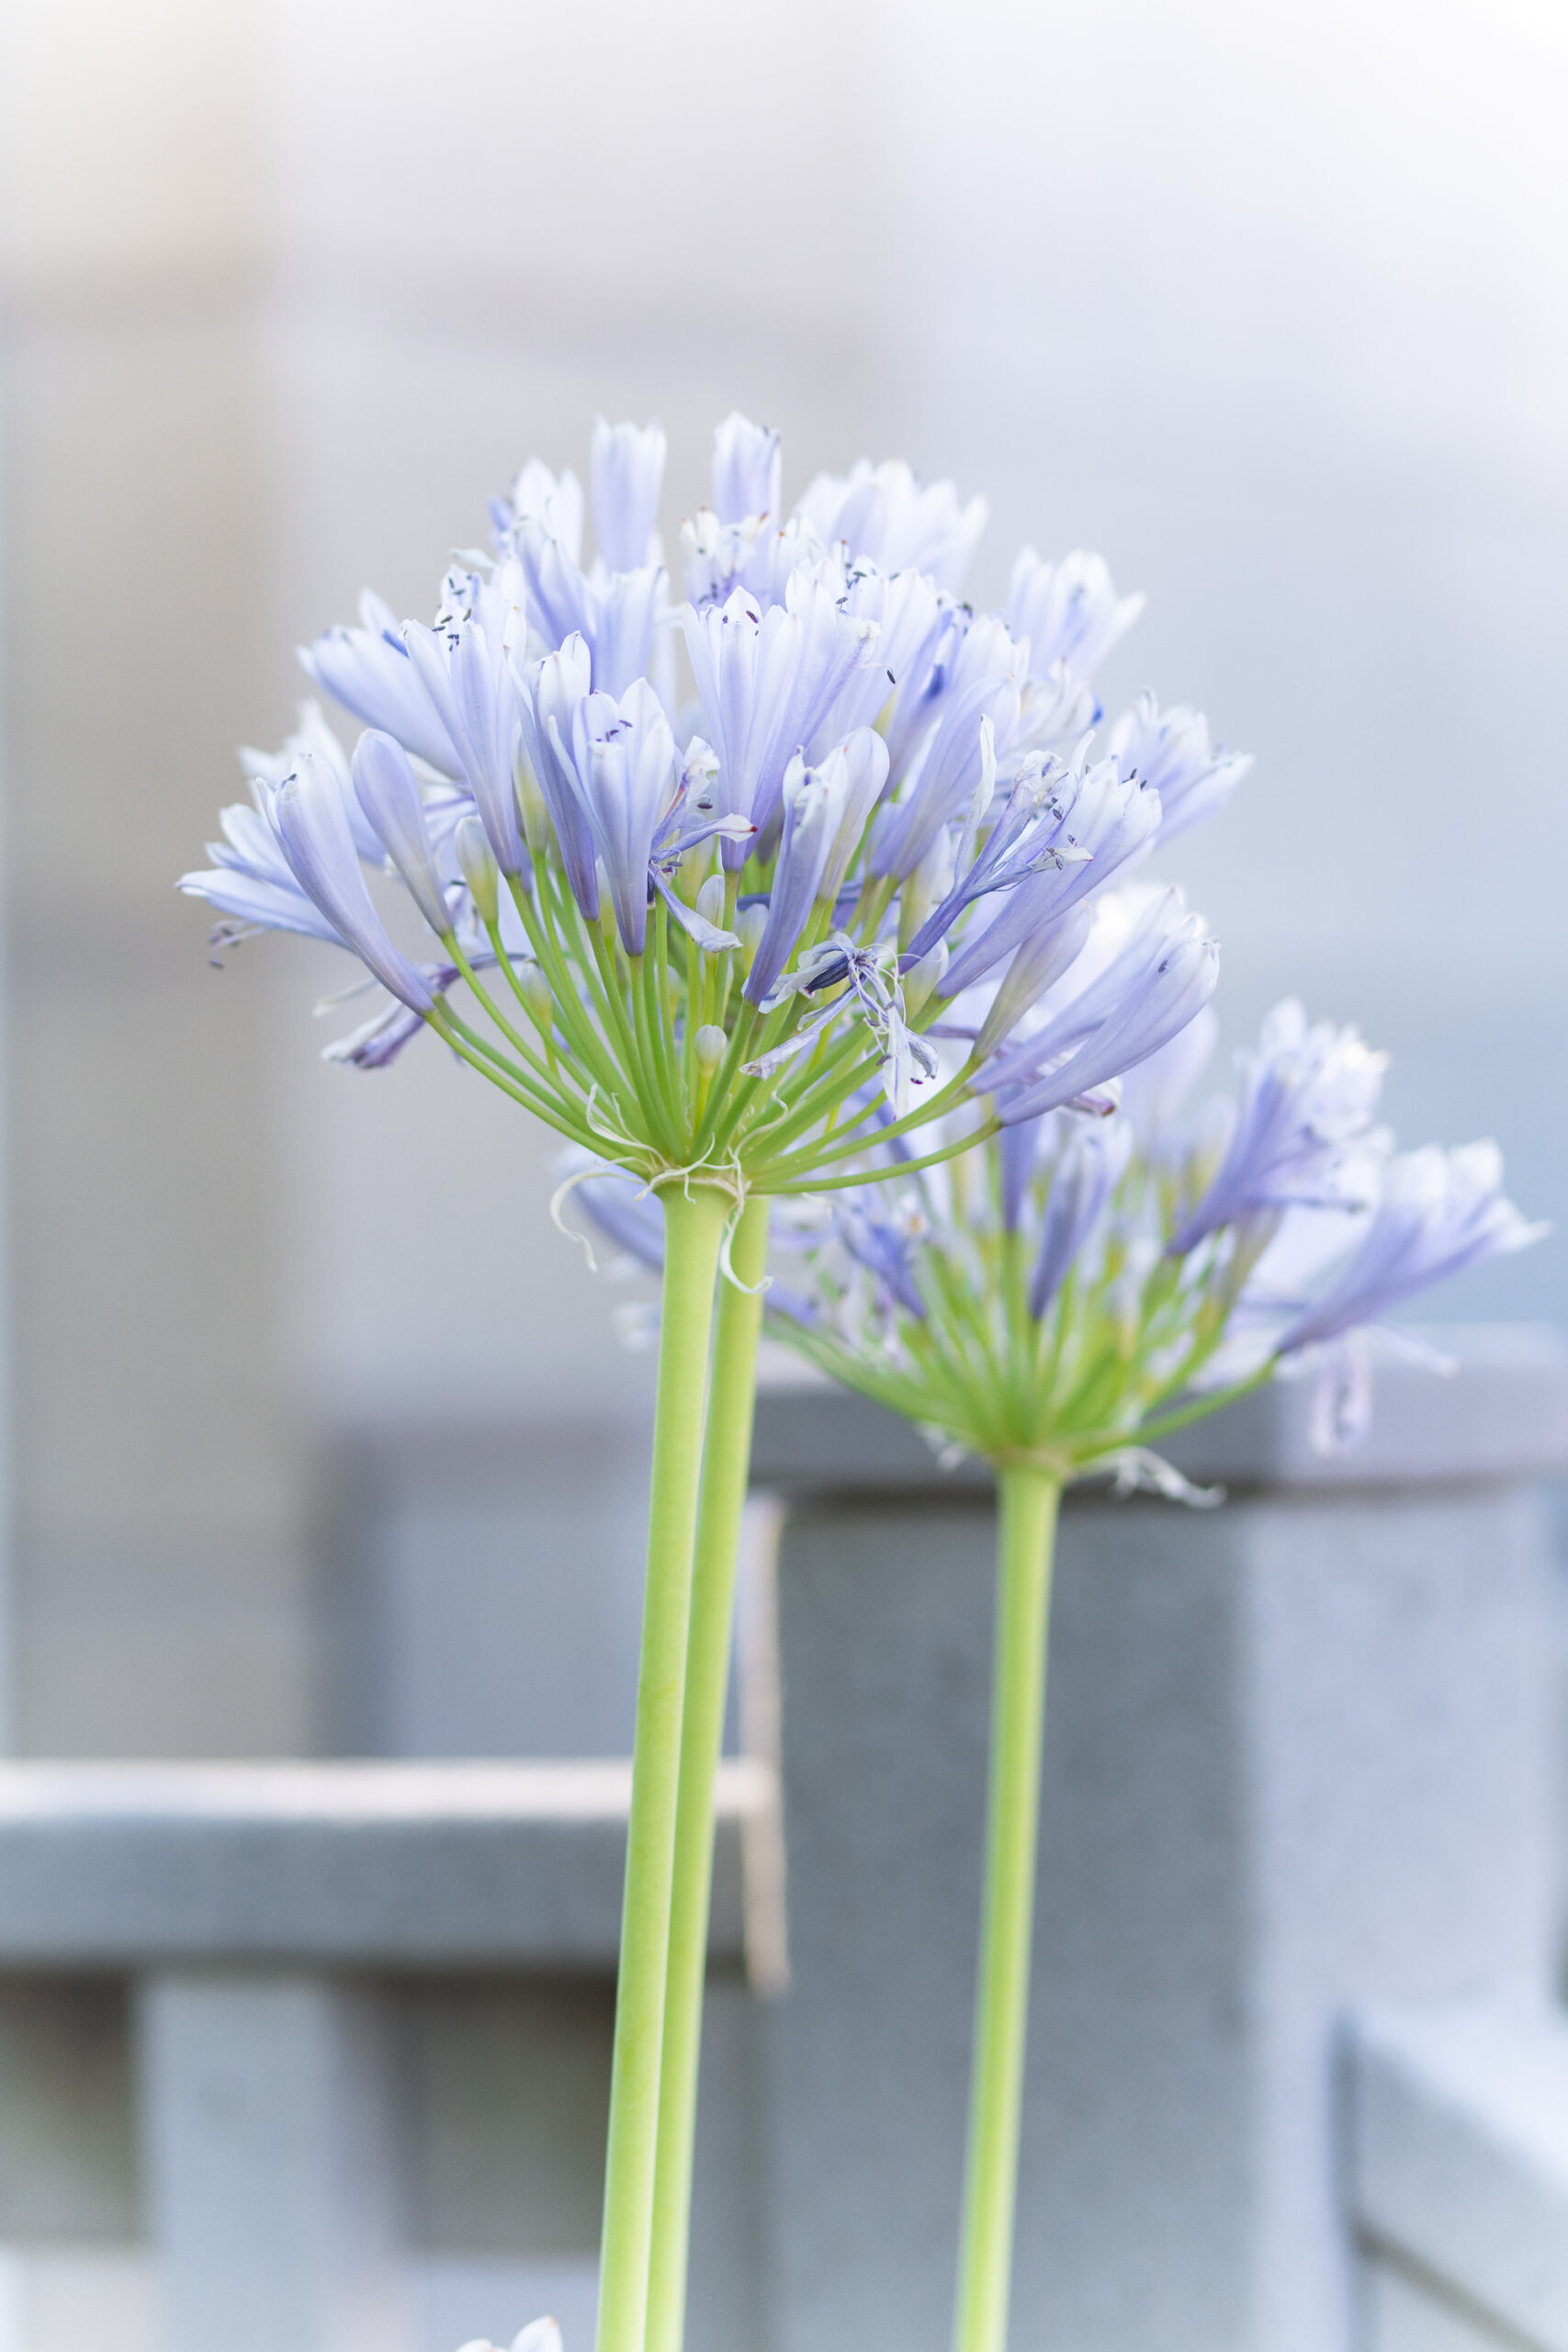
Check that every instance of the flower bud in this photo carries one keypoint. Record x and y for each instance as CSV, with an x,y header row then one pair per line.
x,y
709,1045
538,833
606,907
750,924
536,991
476,861
710,902
923,979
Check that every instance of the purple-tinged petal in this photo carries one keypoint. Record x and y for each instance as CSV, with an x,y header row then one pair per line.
x,y
312,826
746,464
1090,1164
626,472
389,793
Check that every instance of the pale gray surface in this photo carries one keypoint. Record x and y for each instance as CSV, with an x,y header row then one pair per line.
x,y
1298,1754
395,1865
484,1588
272,2146
1503,1414
1459,2157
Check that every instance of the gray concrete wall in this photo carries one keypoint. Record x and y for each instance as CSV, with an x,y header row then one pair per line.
x,y
1300,1755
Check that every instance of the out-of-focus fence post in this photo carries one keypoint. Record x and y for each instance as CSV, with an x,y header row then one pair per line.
x,y
272,2144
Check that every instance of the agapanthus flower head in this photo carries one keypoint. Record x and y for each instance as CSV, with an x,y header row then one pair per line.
x,y
703,887
1052,1297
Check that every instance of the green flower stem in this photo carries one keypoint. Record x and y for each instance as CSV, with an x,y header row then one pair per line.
x,y
727,1457
694,1220
1025,1542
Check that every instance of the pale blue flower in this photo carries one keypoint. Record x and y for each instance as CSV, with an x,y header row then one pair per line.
x,y
614,606
812,812
264,771
252,883
623,623
1170,751
1307,1098
854,773
1036,966
1055,712
911,618
1069,611
368,670
537,495
623,766
1089,1166
960,654
1437,1212
1157,983
746,471
548,699
388,792
560,596
465,673
886,516
957,760
886,1243
312,828
766,681
1152,1095
1099,819
627,469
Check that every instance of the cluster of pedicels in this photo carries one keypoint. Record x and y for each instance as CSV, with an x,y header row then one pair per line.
x,y
1082,1280
701,881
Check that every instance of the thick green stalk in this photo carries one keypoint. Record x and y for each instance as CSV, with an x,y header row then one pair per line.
x,y
727,1460
1025,1542
693,1231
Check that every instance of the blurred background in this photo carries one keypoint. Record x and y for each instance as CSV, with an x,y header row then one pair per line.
x,y
318,1437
